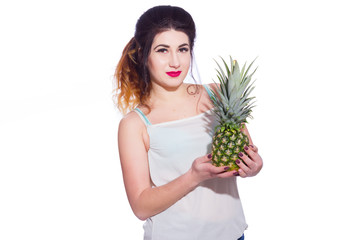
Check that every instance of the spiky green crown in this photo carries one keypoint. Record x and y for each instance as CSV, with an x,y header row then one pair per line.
x,y
232,104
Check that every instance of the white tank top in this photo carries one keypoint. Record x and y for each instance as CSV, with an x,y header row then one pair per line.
x,y
213,210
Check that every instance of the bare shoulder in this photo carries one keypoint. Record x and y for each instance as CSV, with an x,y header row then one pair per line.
x,y
213,86
132,132
131,122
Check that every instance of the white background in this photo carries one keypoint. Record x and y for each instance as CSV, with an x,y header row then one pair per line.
x,y
60,176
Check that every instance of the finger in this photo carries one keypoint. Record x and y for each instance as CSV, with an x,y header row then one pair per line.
x,y
254,155
216,170
204,159
227,174
242,166
248,161
250,152
253,147
242,173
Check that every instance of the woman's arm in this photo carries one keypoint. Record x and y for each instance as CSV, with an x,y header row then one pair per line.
x,y
144,199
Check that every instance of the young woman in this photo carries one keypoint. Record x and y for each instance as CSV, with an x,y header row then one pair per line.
x,y
165,139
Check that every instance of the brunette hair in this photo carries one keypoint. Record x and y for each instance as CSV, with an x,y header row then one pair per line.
x,y
132,76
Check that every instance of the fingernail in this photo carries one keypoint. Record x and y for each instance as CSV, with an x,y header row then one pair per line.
x,y
226,168
237,161
246,148
236,174
209,156
241,154
251,146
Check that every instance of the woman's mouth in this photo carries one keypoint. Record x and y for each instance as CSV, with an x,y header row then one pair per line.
x,y
174,74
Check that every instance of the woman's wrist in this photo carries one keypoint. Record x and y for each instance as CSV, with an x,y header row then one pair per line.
x,y
192,179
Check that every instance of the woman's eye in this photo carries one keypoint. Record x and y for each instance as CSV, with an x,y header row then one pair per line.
x,y
184,49
162,50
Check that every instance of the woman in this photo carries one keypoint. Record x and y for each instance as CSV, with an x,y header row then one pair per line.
x,y
165,139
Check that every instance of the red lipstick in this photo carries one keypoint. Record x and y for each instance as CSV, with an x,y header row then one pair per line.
x,y
174,74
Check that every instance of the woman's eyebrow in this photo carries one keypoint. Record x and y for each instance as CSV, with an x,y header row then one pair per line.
x,y
167,46
183,45
162,45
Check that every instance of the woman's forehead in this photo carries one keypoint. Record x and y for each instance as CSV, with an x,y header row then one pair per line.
x,y
171,38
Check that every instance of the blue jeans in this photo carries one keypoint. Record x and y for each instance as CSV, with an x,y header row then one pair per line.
x,y
242,237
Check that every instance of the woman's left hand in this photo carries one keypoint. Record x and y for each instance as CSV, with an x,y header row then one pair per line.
x,y
251,163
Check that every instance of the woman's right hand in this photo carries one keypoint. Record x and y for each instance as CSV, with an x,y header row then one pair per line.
x,y
202,170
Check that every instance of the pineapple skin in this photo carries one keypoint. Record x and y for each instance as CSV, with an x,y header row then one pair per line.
x,y
226,146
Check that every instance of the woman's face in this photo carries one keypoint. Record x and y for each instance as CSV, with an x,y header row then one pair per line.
x,y
169,59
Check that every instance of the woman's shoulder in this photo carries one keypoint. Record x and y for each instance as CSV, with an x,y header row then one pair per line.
x,y
131,121
212,86
132,131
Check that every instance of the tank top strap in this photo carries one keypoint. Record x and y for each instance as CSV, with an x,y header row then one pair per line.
x,y
208,90
142,116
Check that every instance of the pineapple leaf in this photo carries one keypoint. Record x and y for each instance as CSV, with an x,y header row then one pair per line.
x,y
226,67
221,73
250,67
232,100
234,78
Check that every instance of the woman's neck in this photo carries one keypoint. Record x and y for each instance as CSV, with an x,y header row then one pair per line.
x,y
160,95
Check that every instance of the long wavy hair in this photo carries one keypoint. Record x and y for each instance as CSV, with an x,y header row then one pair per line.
x,y
132,78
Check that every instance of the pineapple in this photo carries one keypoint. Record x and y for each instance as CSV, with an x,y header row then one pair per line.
x,y
232,107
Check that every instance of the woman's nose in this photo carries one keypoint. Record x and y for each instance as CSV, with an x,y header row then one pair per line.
x,y
174,60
